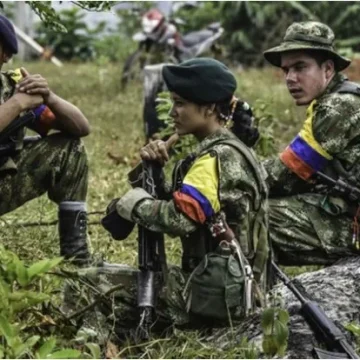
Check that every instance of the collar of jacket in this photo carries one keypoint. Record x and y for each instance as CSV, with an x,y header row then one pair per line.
x,y
209,141
333,84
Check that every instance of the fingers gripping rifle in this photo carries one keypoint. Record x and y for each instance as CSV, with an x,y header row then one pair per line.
x,y
324,329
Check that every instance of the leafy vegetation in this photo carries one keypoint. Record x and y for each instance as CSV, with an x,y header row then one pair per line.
x,y
77,43
31,325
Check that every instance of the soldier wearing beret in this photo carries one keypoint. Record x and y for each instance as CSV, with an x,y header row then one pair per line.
x,y
217,179
310,224
55,164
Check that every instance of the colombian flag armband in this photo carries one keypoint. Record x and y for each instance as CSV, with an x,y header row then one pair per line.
x,y
198,197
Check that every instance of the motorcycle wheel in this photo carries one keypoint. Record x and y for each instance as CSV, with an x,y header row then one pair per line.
x,y
130,69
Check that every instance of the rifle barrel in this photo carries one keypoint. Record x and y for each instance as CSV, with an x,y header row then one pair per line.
x,y
287,282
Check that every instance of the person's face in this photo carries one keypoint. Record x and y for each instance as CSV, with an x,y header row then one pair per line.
x,y
305,79
189,118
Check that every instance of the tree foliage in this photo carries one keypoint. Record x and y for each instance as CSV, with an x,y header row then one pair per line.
x,y
251,27
78,40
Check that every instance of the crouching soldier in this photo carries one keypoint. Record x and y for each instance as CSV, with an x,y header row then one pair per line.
x,y
56,163
220,179
316,224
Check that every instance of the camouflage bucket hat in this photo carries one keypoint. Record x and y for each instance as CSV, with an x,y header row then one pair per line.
x,y
305,36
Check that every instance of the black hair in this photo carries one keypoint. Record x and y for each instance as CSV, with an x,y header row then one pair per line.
x,y
320,56
242,121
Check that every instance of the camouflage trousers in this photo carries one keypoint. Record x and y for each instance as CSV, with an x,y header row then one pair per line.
x,y
56,164
307,230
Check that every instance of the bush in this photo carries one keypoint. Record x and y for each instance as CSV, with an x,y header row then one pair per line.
x,y
26,323
74,44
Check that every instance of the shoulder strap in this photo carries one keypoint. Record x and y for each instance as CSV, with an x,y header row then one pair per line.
x,y
247,153
349,87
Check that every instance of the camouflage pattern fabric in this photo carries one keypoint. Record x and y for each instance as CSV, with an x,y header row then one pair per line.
x,y
56,164
307,35
307,227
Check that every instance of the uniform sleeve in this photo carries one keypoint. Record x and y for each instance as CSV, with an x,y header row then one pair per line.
x,y
281,181
336,122
191,205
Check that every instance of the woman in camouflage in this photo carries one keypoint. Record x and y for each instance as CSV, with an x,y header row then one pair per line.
x,y
221,178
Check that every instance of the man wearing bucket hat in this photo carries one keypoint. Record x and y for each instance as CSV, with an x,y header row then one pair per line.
x,y
308,223
56,163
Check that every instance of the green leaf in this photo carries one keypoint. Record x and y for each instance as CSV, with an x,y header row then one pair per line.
x,y
46,348
2,354
43,266
94,349
27,346
65,354
267,320
353,328
269,346
21,274
283,316
281,332
6,329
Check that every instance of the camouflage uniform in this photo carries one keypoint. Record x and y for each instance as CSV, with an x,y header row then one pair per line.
x,y
238,191
306,225
56,164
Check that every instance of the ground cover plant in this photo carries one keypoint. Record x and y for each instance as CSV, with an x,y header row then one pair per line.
x,y
113,146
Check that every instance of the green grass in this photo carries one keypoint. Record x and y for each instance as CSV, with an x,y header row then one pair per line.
x,y
117,129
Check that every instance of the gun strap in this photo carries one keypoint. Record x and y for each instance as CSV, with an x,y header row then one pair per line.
x,y
262,252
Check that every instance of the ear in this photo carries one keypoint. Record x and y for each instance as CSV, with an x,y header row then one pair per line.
x,y
6,57
210,109
329,67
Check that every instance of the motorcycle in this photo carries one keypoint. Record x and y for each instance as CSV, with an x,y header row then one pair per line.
x,y
152,39
161,42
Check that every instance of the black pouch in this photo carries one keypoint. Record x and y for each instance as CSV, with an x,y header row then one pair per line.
x,y
117,226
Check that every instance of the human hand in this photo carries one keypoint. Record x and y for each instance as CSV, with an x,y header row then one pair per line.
x,y
33,85
27,101
158,150
155,151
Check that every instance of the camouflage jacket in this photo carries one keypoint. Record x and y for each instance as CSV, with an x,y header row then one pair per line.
x,y
219,177
332,130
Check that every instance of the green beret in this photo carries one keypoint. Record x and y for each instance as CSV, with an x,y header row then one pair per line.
x,y
200,80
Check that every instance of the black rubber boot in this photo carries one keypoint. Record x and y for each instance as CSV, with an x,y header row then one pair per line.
x,y
73,232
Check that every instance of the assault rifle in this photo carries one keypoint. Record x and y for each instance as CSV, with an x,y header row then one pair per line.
x,y
151,262
7,147
324,329
348,191
152,257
